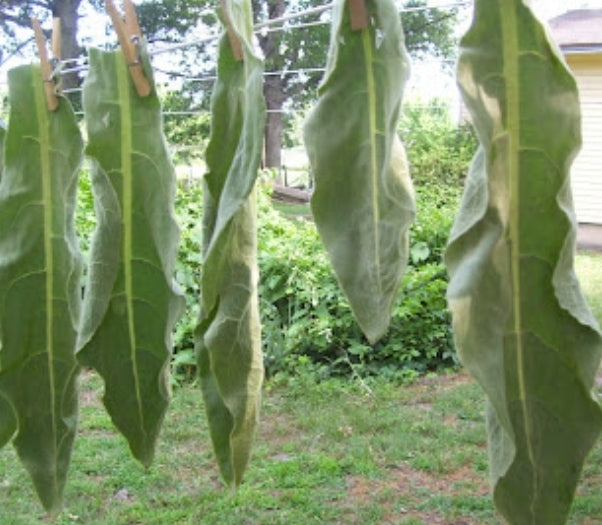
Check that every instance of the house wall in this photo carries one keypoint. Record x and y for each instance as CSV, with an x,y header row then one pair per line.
x,y
586,173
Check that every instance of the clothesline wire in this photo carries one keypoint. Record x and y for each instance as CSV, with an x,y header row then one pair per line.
x,y
306,25
292,111
293,16
212,78
268,25
273,25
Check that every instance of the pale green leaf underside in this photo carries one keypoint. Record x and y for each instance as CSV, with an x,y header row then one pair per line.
x,y
39,283
228,336
363,201
521,324
130,303
2,135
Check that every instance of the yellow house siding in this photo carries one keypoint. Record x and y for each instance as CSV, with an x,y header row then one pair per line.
x,y
586,173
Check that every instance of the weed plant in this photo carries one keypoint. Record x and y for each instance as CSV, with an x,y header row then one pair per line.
x,y
305,317
439,151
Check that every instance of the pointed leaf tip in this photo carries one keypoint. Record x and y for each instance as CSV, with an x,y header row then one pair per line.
x,y
228,338
363,201
40,269
131,302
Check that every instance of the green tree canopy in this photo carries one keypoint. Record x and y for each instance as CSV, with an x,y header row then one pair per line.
x,y
288,47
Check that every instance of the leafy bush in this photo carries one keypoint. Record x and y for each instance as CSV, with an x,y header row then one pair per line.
x,y
85,220
189,210
438,150
305,317
436,209
185,131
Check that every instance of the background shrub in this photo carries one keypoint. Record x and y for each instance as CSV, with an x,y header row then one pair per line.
x,y
306,316
307,322
189,212
439,151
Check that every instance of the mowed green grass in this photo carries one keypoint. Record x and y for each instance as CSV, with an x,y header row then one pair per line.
x,y
340,452
326,453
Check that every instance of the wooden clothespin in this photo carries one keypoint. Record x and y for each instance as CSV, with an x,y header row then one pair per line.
x,y
46,65
235,44
358,14
129,34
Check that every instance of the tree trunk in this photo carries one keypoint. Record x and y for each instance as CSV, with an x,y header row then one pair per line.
x,y
273,87
66,10
273,91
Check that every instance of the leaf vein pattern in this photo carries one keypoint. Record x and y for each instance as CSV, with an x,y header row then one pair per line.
x,y
371,94
511,56
46,173
126,169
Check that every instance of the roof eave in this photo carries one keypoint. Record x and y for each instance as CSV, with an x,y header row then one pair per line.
x,y
581,49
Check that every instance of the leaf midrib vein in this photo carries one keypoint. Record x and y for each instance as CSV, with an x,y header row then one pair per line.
x,y
126,206
46,174
511,65
371,93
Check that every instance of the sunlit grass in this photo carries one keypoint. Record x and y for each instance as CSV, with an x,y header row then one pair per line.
x,y
337,451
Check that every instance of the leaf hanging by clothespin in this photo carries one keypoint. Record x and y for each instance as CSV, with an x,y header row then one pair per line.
x,y
358,14
232,37
129,34
48,76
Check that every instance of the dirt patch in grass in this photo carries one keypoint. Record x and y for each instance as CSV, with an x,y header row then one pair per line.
x,y
445,381
276,429
89,393
410,482
89,398
426,388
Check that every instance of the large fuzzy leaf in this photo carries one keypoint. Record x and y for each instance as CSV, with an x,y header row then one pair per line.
x,y
130,303
363,200
2,135
228,335
521,324
39,283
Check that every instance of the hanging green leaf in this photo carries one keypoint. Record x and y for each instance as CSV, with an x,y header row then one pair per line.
x,y
8,421
39,283
2,135
363,201
521,324
130,304
228,334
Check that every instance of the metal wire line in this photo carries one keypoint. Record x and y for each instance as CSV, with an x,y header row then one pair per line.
x,y
268,26
293,27
212,78
293,16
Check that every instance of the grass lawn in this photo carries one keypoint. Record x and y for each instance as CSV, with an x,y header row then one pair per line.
x,y
335,452
293,210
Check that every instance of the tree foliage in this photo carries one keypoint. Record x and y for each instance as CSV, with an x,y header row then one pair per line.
x,y
297,45
292,48
16,13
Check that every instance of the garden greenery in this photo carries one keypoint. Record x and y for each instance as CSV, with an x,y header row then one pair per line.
x,y
520,323
436,145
